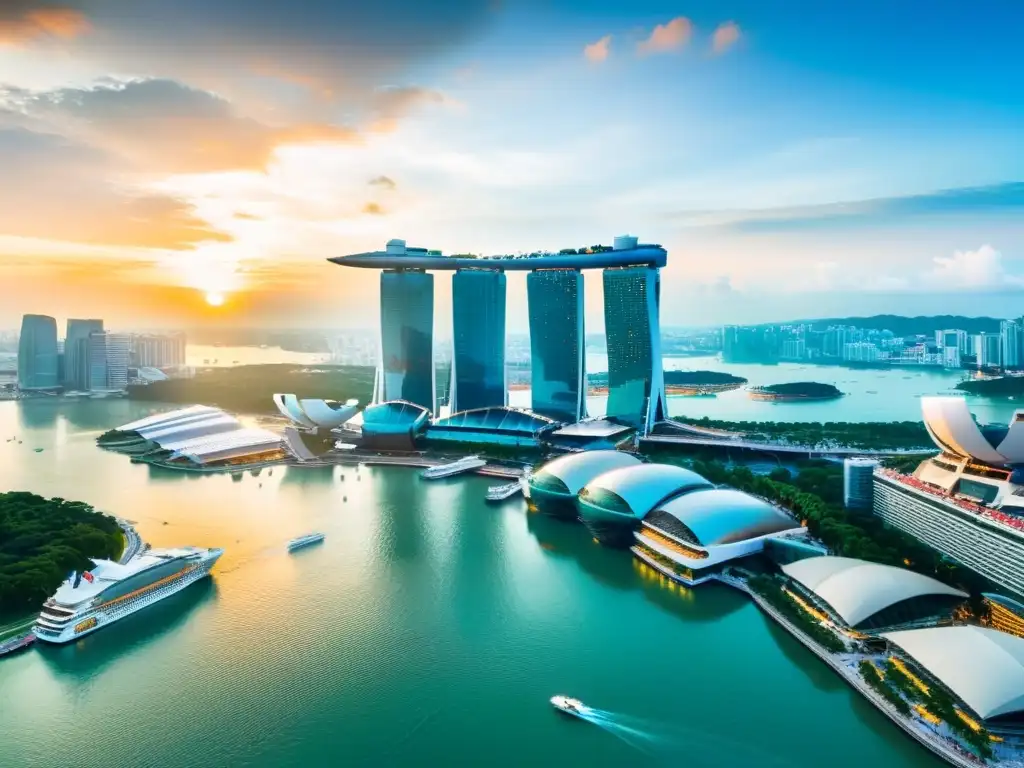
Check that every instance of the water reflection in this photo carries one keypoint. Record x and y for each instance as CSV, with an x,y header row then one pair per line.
x,y
94,652
565,538
708,602
305,476
820,675
37,413
400,527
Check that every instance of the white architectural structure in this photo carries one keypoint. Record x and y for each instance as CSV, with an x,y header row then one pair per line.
x,y
313,413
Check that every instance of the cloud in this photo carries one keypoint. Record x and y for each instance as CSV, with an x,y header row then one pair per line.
x,y
24,21
373,209
57,189
981,269
598,51
670,36
392,103
383,181
725,36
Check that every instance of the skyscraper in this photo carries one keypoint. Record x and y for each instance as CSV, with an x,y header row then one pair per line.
x,y
158,350
636,384
1010,343
37,353
557,349
107,356
76,367
478,354
407,337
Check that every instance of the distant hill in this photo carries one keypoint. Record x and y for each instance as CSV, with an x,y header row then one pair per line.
x,y
907,326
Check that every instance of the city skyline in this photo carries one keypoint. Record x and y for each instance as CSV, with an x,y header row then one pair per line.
x,y
792,169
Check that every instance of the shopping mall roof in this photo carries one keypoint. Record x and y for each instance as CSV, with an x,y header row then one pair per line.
x,y
593,428
953,429
230,445
575,470
641,488
717,516
498,420
857,590
983,667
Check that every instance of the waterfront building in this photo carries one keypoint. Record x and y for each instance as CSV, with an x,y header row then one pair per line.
x,y
314,413
394,425
783,551
478,354
988,349
558,379
1005,614
552,488
150,350
107,359
407,337
37,354
982,668
858,482
1010,338
968,501
636,384
511,427
76,354
868,597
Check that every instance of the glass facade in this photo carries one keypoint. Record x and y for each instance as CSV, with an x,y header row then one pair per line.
x,y
407,337
478,323
557,343
37,353
76,369
636,390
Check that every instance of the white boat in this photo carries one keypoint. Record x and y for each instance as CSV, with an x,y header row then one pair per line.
x,y
304,541
573,707
465,464
110,591
502,492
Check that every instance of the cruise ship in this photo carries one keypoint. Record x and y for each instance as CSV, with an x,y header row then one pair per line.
x,y
110,591
465,464
304,541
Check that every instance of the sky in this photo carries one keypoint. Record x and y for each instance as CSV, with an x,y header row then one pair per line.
x,y
194,163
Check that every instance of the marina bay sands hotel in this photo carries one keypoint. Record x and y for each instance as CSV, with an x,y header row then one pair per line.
x,y
630,272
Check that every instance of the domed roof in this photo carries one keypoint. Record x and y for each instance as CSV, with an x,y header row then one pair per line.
x,y
718,516
575,470
497,419
641,488
857,589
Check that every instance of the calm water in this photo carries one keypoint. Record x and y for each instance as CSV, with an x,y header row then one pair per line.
x,y
428,629
207,355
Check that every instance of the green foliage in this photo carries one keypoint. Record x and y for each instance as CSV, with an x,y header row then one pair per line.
x,y
905,464
1001,386
42,540
802,389
883,436
873,678
697,378
769,589
250,388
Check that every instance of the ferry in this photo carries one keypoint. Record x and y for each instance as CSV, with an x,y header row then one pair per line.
x,y
573,707
465,464
110,591
502,492
304,541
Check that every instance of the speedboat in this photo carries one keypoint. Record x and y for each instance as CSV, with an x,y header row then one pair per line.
x,y
573,707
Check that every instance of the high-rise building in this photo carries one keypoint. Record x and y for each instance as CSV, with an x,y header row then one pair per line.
x,y
150,350
557,350
1010,336
478,328
636,384
37,353
107,356
858,480
76,366
988,350
407,337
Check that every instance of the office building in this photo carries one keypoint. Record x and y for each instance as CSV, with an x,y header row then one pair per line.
x,y
150,350
107,356
76,366
478,328
967,503
407,337
636,386
988,349
858,482
37,354
1010,337
557,349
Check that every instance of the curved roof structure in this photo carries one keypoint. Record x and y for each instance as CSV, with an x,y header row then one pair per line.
x,y
497,419
952,428
719,516
167,417
289,407
857,589
314,412
394,414
641,488
575,470
230,445
983,667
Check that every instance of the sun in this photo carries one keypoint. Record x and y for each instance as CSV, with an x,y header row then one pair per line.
x,y
214,299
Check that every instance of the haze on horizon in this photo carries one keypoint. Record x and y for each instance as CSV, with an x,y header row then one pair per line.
x,y
194,163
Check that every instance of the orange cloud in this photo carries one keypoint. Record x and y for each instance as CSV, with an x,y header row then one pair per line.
x,y
373,209
392,104
598,51
20,24
725,36
670,36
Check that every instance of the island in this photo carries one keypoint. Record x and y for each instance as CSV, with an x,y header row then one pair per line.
x,y
998,386
699,383
797,390
42,541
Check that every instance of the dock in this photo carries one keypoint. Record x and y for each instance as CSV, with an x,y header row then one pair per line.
x,y
502,492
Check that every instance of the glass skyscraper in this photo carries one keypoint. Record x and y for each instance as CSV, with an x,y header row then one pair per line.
x,y
407,337
558,372
478,355
76,365
107,358
636,384
37,353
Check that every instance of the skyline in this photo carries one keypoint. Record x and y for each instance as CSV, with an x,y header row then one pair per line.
x,y
832,162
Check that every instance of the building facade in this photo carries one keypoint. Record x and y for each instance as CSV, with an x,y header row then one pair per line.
x,y
478,354
107,356
858,483
150,350
37,354
76,368
636,384
557,347
407,337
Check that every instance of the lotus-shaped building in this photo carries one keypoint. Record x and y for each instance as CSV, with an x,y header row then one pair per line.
x,y
314,413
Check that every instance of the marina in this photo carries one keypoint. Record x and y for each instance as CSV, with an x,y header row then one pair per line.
x,y
463,465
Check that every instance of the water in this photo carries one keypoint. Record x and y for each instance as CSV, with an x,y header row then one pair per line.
x,y
208,356
429,628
